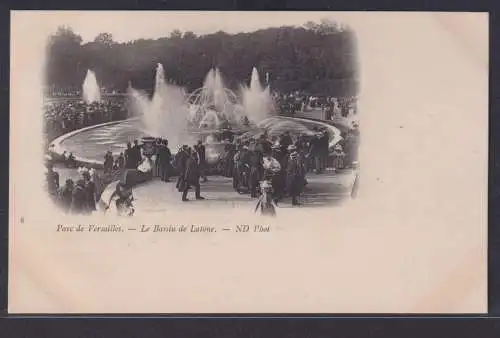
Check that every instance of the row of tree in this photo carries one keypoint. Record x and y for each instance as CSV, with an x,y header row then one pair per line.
x,y
318,58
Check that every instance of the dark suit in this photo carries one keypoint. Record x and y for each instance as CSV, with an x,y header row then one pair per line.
x,y
295,174
165,158
180,164
191,177
136,153
130,159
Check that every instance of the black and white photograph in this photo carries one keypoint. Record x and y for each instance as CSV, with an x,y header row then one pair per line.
x,y
261,120
248,162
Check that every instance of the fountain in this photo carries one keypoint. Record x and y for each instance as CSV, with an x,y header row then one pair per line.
x,y
91,90
257,101
182,119
165,115
213,103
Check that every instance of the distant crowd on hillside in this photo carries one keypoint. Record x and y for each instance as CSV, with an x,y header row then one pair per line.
x,y
61,117
65,111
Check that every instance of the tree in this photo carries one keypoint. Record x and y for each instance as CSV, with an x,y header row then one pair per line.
x,y
176,34
317,55
65,35
326,26
105,39
63,57
189,35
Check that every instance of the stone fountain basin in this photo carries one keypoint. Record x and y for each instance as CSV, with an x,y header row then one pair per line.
x,y
89,144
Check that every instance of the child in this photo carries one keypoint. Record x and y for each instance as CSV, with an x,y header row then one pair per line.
x,y
266,204
338,157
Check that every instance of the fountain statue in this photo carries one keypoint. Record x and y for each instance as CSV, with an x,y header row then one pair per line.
x,y
204,112
213,105
91,91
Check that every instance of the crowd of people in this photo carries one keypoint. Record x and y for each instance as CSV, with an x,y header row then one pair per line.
x,y
78,197
291,103
283,162
63,116
267,168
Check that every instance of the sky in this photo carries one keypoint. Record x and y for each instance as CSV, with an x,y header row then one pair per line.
x,y
128,26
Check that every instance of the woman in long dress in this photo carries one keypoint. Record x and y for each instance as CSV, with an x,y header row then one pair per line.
x,y
265,203
123,200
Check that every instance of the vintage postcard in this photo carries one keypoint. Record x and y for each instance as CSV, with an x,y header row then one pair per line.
x,y
248,162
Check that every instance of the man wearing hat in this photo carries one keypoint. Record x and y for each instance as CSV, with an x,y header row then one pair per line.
x,y
165,156
156,167
90,190
136,153
295,174
130,162
256,170
180,162
315,151
65,195
52,178
324,145
108,161
230,150
235,162
79,200
200,150
192,176
285,141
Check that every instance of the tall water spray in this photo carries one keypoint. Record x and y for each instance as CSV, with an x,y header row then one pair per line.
x,y
220,97
90,89
213,92
165,115
213,103
258,103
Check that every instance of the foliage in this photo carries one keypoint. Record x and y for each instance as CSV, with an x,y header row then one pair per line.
x,y
318,58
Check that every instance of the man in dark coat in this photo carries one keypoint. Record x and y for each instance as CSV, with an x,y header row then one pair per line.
x,y
351,149
235,161
136,151
65,195
256,171
157,167
79,200
192,177
280,179
227,134
52,178
285,141
180,162
108,162
243,167
295,174
324,145
120,161
90,190
230,150
315,152
130,162
264,144
200,151
165,157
